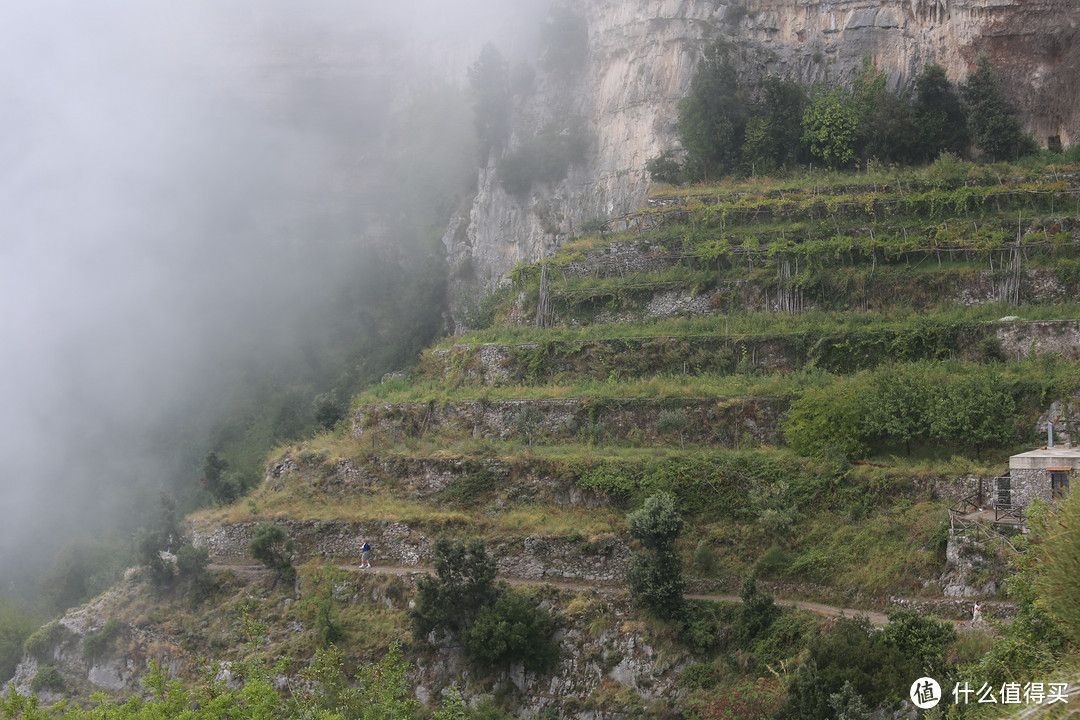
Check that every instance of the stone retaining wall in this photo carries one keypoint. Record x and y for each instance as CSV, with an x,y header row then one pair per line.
x,y
604,558
719,421
494,364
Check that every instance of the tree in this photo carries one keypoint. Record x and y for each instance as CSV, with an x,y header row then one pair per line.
x,y
490,88
272,546
657,524
655,576
712,119
148,547
920,638
830,125
992,122
830,420
224,488
782,104
317,603
940,122
852,652
665,168
191,563
898,403
868,88
1059,582
463,585
15,626
514,629
756,614
328,410
1037,640
497,625
974,409
773,134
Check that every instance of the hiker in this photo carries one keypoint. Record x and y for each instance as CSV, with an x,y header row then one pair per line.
x,y
976,613
364,550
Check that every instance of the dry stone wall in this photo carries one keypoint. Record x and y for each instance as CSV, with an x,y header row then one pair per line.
x,y
420,478
598,559
731,422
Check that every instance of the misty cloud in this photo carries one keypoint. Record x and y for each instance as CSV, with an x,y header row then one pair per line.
x,y
182,189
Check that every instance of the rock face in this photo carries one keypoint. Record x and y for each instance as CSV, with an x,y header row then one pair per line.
x,y
640,61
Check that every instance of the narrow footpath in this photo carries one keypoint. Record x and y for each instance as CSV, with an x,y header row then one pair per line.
x,y
877,618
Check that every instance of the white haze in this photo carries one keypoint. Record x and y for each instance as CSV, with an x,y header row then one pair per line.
x,y
170,193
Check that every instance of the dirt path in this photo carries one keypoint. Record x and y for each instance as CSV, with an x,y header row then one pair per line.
x,y
876,618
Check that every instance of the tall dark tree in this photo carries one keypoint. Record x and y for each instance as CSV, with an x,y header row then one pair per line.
x,y
463,585
885,128
655,576
991,120
773,134
940,122
489,84
713,118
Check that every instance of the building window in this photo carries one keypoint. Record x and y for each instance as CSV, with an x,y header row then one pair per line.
x,y
1059,484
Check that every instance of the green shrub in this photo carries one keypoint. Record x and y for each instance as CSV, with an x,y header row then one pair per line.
x,y
528,420
317,603
830,420
513,630
700,677
703,628
94,644
773,562
47,678
41,642
469,489
852,652
272,546
923,640
665,168
704,558
672,422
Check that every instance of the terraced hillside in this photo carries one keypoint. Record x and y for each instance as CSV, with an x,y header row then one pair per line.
x,y
706,349
816,372
668,356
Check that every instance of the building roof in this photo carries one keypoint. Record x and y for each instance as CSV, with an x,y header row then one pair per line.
x,y
1056,457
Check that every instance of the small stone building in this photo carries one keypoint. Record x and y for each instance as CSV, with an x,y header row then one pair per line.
x,y
1043,474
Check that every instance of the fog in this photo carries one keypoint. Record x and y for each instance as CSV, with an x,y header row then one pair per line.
x,y
186,190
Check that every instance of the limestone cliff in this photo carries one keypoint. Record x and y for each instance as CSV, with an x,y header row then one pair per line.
x,y
641,57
